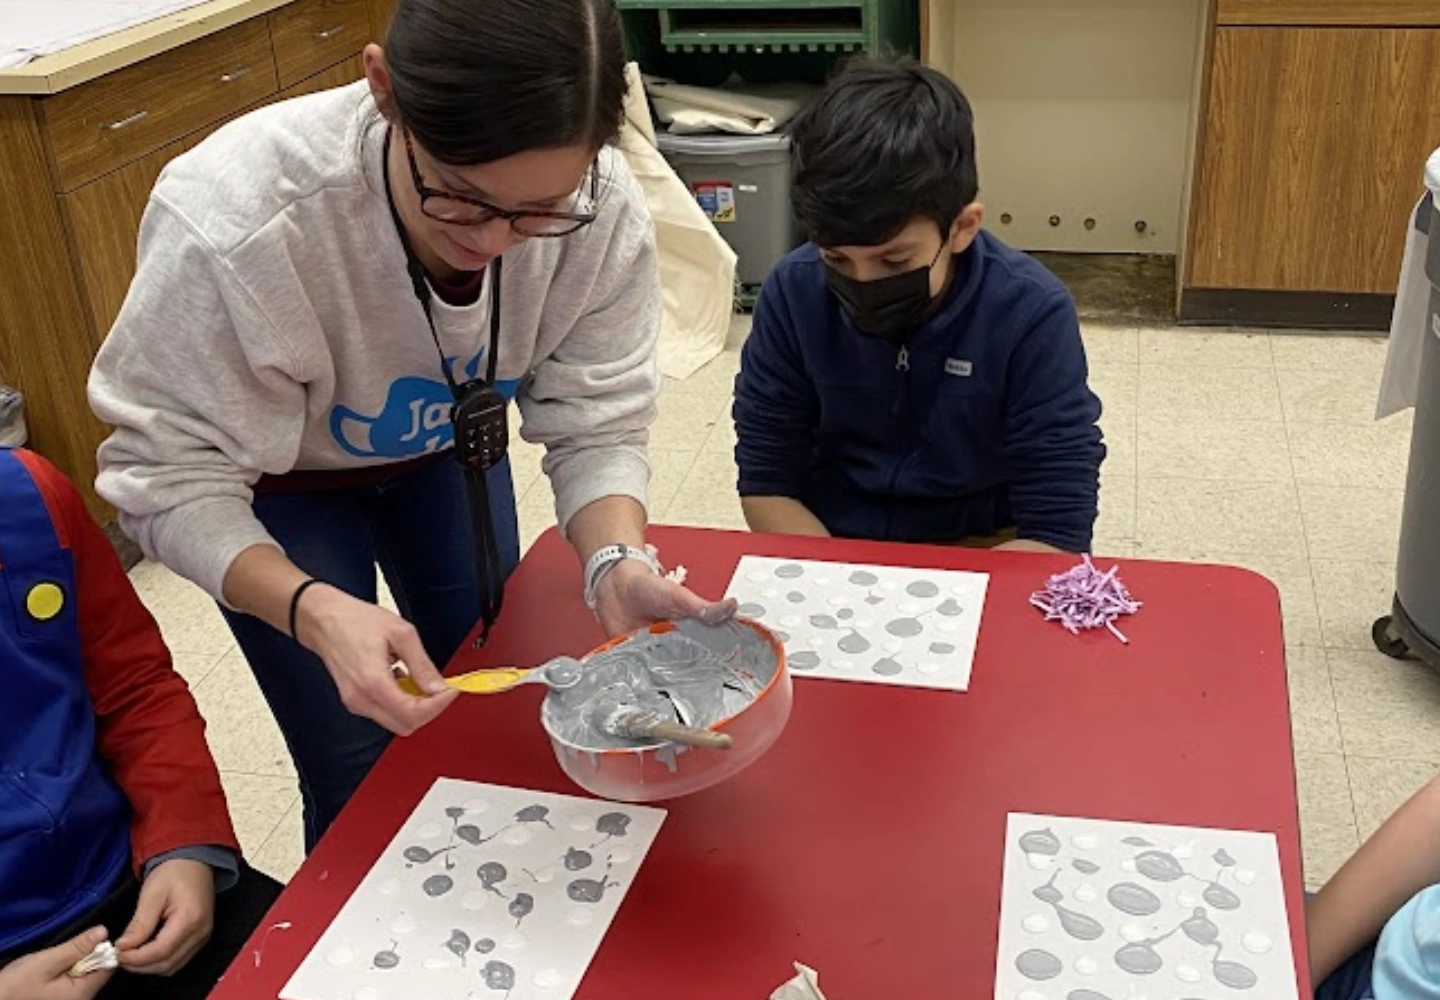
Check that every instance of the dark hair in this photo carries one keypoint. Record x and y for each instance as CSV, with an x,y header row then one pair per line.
x,y
479,80
884,143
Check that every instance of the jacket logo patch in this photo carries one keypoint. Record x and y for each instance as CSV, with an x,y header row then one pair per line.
x,y
45,601
958,367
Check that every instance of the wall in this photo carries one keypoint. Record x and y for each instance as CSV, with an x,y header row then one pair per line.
x,y
1084,111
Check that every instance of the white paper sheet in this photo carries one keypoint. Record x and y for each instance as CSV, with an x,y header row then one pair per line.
x,y
486,892
33,28
882,624
1101,910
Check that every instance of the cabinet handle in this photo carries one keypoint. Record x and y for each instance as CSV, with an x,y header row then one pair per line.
x,y
137,117
235,74
329,33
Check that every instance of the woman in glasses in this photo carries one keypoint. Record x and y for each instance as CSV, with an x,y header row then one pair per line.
x,y
319,285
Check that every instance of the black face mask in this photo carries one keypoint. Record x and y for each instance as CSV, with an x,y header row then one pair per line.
x,y
890,308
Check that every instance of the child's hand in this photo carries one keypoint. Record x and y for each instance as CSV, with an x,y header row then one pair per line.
x,y
631,596
45,975
178,900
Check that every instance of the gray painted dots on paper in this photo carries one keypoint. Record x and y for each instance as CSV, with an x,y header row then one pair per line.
x,y
922,589
1136,900
864,578
845,614
904,628
804,660
790,571
751,610
437,885
795,597
950,608
887,667
942,648
498,976
823,622
1139,959
1038,965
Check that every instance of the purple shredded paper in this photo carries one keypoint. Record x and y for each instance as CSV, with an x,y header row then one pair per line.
x,y
1085,598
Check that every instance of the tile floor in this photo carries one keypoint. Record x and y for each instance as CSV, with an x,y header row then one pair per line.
x,y
1252,449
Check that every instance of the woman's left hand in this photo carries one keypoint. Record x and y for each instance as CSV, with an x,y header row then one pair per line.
x,y
632,596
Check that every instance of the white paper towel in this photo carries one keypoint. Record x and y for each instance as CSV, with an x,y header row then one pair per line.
x,y
805,986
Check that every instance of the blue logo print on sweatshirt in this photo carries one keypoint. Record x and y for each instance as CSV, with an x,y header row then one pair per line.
x,y
414,421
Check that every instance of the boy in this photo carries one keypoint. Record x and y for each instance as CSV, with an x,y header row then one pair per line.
x,y
1389,889
909,377
112,821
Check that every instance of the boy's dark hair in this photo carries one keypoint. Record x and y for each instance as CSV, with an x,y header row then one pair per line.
x,y
479,80
884,143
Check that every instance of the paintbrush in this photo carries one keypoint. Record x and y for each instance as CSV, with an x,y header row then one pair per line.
x,y
618,715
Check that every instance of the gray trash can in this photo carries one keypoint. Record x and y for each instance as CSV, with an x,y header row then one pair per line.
x,y
12,418
743,184
1412,629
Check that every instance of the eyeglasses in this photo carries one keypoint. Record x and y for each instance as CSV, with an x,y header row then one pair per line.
x,y
463,210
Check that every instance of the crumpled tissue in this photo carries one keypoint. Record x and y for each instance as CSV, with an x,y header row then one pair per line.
x,y
103,956
805,986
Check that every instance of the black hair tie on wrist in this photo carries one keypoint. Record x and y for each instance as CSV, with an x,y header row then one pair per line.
x,y
295,604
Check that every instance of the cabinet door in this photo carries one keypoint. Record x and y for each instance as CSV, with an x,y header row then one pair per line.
x,y
103,218
338,75
1312,158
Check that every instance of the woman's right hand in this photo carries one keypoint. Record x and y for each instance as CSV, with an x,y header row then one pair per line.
x,y
360,643
45,975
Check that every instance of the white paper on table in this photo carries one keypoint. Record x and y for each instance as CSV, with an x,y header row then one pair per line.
x,y
882,624
805,986
532,883
1138,910
33,28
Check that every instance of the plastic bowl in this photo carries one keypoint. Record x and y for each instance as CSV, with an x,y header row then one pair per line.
x,y
668,771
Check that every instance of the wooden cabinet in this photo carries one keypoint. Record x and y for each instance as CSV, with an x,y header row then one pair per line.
x,y
1314,144
76,171
1312,148
1358,13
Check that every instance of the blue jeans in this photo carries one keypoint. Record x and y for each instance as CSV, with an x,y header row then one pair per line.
x,y
1352,980
417,528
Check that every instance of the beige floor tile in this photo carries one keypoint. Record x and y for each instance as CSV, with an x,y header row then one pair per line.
x,y
525,462
1116,523
722,438
1313,720
1106,549
708,497
668,470
1380,786
1360,524
1122,451
1327,815
1373,455
1339,394
1387,708
686,418
1106,344
715,379
1290,574
1298,349
195,667
257,804
1351,595
1260,519
1117,385
1233,451
739,331
240,727
536,513
1209,394
189,619
1188,348
282,853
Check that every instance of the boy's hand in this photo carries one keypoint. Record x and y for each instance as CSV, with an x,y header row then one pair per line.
x,y
178,900
45,975
631,596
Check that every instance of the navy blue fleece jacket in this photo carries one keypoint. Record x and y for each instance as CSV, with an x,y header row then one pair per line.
x,y
990,426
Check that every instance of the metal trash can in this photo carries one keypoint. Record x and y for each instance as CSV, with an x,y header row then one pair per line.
x,y
743,184
12,418
1412,629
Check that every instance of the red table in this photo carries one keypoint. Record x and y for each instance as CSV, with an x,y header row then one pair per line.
x,y
868,842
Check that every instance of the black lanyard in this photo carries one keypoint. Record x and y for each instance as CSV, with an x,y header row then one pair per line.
x,y
479,421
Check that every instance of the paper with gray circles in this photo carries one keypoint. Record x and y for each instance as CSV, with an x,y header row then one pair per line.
x,y
1101,910
883,624
486,893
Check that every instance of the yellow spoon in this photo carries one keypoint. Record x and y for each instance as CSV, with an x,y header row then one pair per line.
x,y
560,673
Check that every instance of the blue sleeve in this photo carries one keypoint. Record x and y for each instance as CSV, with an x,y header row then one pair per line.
x,y
776,410
222,859
1053,446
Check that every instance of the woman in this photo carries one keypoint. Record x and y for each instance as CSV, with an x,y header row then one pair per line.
x,y
275,377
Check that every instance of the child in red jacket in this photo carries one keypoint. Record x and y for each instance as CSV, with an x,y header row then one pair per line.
x,y
113,825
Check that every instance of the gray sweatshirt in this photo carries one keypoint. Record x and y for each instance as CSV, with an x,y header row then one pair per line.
x,y
272,326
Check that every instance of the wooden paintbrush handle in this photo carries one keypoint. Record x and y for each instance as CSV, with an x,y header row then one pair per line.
x,y
690,736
